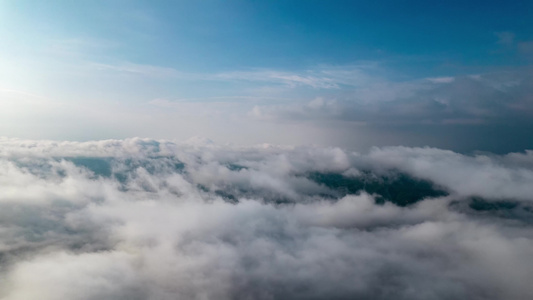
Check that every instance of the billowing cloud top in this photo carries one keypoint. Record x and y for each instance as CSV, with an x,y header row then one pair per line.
x,y
147,219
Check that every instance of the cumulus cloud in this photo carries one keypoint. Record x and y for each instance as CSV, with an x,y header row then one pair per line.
x,y
147,219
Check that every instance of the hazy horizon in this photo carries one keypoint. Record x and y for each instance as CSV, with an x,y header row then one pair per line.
x,y
351,74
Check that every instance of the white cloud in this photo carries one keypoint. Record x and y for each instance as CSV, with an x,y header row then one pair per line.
x,y
152,223
286,78
466,175
441,79
137,69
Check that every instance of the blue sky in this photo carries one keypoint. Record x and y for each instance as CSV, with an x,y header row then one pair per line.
x,y
347,73
225,35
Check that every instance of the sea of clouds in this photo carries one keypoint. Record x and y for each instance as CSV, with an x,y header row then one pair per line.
x,y
147,219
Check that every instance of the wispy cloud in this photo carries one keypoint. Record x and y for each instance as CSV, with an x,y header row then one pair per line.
x,y
505,37
286,78
441,79
485,98
320,77
79,47
138,69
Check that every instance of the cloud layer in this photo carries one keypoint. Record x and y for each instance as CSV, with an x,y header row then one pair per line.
x,y
147,219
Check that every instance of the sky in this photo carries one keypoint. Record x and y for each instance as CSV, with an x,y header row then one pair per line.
x,y
154,150
456,75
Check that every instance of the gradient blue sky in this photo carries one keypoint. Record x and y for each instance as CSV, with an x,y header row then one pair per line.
x,y
451,74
